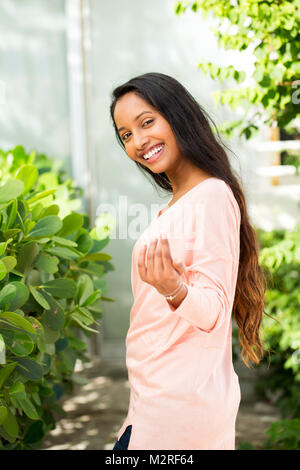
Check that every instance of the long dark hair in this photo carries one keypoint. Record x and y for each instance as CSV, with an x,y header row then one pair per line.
x,y
206,150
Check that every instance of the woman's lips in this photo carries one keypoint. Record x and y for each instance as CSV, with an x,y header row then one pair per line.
x,y
154,157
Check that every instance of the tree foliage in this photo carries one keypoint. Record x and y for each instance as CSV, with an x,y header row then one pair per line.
x,y
271,30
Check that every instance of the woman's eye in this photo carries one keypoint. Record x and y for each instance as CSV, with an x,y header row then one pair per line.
x,y
123,138
146,122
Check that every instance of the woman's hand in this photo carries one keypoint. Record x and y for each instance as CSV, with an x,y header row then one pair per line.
x,y
161,272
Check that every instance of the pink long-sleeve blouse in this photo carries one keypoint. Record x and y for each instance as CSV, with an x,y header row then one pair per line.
x,y
184,392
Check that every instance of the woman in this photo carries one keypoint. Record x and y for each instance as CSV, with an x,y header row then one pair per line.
x,y
192,267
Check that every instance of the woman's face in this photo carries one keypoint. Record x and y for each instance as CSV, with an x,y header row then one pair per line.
x,y
146,132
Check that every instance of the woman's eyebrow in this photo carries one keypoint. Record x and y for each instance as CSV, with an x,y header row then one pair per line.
x,y
143,112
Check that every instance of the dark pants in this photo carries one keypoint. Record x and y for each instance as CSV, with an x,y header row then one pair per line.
x,y
123,442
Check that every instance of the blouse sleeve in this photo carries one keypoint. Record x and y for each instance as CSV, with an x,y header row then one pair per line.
x,y
211,278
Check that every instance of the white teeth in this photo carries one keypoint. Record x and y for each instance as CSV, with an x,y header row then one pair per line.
x,y
152,152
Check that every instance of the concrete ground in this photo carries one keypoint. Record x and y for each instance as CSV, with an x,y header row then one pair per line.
x,y
96,412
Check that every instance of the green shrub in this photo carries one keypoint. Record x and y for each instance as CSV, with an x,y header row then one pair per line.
x,y
280,256
283,435
51,282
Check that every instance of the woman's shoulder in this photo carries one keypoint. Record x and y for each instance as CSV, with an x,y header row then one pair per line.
x,y
212,188
217,195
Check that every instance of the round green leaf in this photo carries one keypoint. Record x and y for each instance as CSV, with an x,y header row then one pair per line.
x,y
21,295
22,344
46,226
28,174
9,262
84,243
71,223
7,294
10,190
47,263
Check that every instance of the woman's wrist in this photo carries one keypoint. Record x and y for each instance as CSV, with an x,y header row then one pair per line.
x,y
179,296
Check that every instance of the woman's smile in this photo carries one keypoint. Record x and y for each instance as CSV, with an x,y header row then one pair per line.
x,y
154,153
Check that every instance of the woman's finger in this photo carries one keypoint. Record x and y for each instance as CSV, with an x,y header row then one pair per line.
x,y
158,262
150,259
166,254
142,263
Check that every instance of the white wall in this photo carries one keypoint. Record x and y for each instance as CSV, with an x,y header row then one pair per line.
x,y
33,69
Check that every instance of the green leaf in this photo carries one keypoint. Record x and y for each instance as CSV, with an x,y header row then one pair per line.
x,y
63,241
28,408
47,263
71,223
7,294
28,174
92,298
84,243
9,262
39,297
17,320
97,257
63,252
85,288
5,372
46,226
11,190
41,195
34,433
29,368
11,425
53,318
12,213
3,271
51,210
78,319
22,345
3,413
17,390
84,316
50,335
21,295
3,246
11,232
62,288
77,344
28,253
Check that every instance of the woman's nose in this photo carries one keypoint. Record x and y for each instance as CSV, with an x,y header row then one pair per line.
x,y
140,141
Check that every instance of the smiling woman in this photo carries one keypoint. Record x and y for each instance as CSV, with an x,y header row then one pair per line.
x,y
187,284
